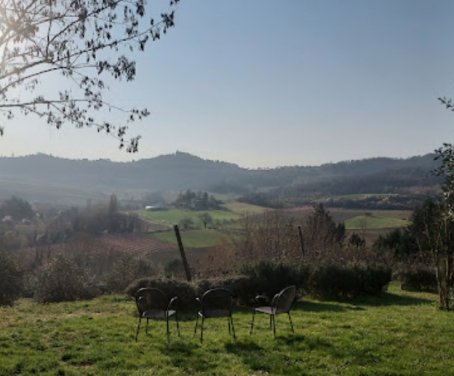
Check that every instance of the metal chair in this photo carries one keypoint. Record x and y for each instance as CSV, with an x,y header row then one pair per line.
x,y
153,304
282,303
215,303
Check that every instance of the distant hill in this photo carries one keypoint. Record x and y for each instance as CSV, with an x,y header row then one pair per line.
x,y
45,178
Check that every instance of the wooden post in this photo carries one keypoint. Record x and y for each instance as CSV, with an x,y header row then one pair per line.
x,y
300,233
183,254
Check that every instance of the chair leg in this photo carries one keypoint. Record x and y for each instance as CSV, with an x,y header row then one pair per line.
x,y
274,325
167,328
201,330
233,327
196,324
228,324
291,323
138,328
252,323
271,321
178,324
146,328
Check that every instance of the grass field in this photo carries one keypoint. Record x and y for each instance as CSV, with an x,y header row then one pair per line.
x,y
243,208
368,221
399,333
342,215
374,222
172,217
193,238
356,219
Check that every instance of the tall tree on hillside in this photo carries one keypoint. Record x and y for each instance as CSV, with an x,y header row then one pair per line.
x,y
82,41
17,208
322,233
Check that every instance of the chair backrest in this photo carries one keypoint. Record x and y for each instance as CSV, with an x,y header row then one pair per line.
x,y
217,302
148,298
285,299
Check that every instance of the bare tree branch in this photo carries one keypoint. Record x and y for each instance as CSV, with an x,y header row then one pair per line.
x,y
80,40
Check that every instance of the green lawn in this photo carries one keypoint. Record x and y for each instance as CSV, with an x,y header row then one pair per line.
x,y
399,333
193,238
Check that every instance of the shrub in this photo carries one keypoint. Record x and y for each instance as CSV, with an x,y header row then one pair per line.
x,y
10,280
62,280
241,287
324,281
185,291
269,278
418,279
126,269
347,281
174,269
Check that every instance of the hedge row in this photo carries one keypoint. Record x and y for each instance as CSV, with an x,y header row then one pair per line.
x,y
419,279
324,281
337,281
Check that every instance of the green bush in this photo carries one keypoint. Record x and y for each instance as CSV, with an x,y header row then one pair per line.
x,y
185,291
10,280
269,278
241,287
62,280
324,281
418,279
347,281
126,269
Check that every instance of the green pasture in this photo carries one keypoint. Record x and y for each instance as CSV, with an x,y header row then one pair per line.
x,y
193,238
374,222
243,208
174,216
356,219
399,333
343,215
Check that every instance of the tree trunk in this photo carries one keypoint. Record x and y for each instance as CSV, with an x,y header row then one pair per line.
x,y
443,277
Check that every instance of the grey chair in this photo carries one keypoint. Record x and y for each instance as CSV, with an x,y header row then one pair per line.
x,y
153,304
282,303
215,303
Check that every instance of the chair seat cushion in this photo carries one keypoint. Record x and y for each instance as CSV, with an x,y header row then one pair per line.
x,y
267,310
158,314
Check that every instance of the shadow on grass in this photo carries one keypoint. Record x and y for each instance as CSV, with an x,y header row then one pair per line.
x,y
187,357
252,355
280,359
326,307
390,299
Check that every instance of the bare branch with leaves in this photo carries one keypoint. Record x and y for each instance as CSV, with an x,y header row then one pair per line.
x,y
84,42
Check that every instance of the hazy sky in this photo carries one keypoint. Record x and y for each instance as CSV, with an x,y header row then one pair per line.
x,y
263,83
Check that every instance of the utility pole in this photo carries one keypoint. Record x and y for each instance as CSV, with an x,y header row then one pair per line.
x,y
300,233
183,254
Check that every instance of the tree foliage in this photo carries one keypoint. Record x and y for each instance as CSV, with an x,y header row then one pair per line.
x,y
83,41
434,232
322,233
10,279
17,208
197,201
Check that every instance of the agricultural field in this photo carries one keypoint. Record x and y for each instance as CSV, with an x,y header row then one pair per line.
x,y
374,222
193,238
243,208
371,223
356,219
398,333
173,216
